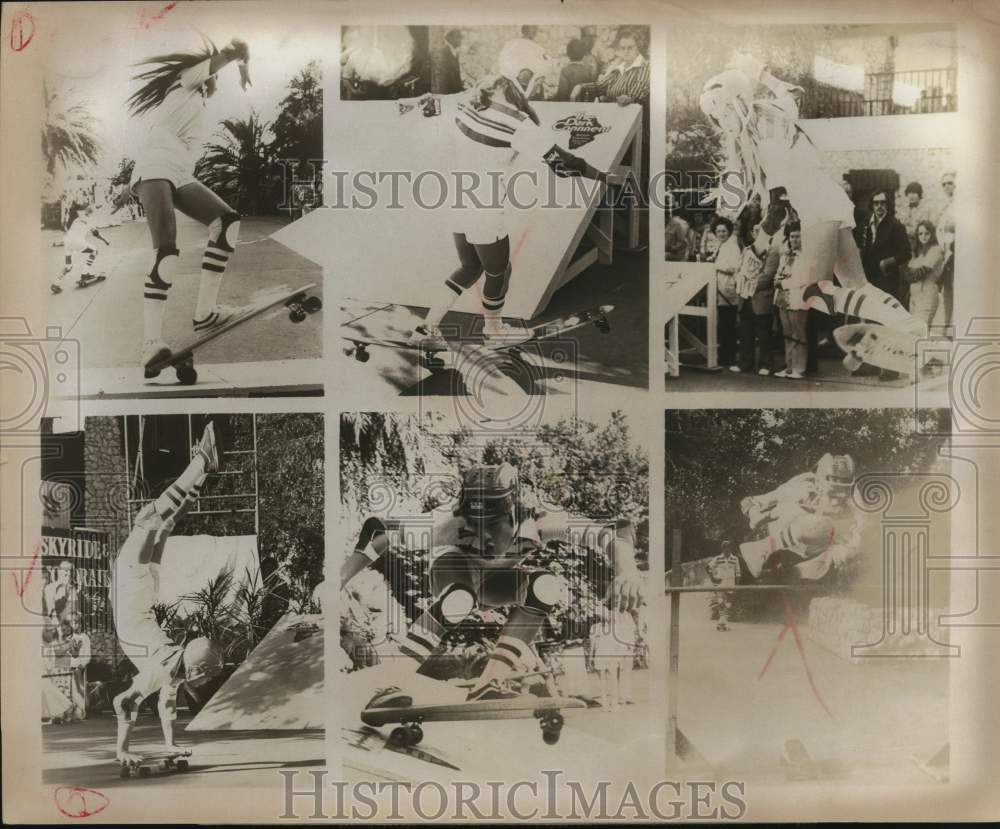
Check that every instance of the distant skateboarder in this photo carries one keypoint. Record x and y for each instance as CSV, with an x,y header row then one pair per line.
x,y
476,560
171,104
165,666
485,130
723,570
80,245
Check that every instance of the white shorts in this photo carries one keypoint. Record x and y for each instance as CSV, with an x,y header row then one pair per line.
x,y
819,199
164,157
481,226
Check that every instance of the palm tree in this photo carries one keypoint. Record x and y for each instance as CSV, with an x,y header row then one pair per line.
x,y
69,133
236,166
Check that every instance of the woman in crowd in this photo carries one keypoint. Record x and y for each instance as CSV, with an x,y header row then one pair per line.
x,y
755,283
923,272
793,320
727,298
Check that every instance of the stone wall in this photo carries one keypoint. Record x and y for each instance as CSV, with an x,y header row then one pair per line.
x,y
106,483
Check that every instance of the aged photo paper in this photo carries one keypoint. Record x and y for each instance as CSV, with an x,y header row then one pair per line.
x,y
542,411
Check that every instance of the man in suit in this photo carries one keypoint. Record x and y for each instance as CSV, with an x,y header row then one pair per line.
x,y
446,73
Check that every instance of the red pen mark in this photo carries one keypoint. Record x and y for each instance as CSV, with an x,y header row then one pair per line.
x,y
77,802
23,586
22,30
148,20
790,625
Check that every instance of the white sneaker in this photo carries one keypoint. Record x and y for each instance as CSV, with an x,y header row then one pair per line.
x,y
428,338
794,375
497,332
219,316
783,373
764,372
735,369
208,448
153,351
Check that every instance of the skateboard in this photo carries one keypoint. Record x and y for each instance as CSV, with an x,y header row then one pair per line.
x,y
877,345
799,763
547,710
363,738
87,280
596,316
937,767
165,762
299,303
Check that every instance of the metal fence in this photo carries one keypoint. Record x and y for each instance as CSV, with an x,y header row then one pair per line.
x,y
938,93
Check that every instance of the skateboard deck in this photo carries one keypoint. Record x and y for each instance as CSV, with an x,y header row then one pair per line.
x,y
800,765
596,316
877,345
165,762
86,283
410,717
366,737
937,766
299,303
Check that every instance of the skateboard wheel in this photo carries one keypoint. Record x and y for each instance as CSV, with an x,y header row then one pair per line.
x,y
362,356
296,313
416,734
603,326
550,737
182,765
313,304
187,375
399,737
124,773
144,771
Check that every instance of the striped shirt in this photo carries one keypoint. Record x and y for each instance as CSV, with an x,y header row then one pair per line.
x,y
633,82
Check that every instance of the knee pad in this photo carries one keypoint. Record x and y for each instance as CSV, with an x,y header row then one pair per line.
x,y
495,287
126,706
167,704
372,528
544,591
624,528
165,268
224,231
465,277
454,605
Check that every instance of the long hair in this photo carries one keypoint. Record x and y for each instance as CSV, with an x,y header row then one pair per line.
x,y
165,75
932,242
488,90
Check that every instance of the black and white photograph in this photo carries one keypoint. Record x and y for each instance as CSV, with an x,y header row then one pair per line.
x,y
170,153
810,230
182,628
502,581
808,595
490,221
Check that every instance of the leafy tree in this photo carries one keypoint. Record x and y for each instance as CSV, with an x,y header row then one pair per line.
x,y
69,131
298,128
237,164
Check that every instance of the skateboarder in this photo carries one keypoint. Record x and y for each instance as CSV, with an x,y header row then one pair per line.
x,y
163,666
81,250
486,130
810,522
767,151
723,570
171,104
476,560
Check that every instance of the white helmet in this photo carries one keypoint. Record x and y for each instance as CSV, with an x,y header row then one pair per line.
x,y
202,661
518,55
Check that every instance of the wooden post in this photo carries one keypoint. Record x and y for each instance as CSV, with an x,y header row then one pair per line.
x,y
673,684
